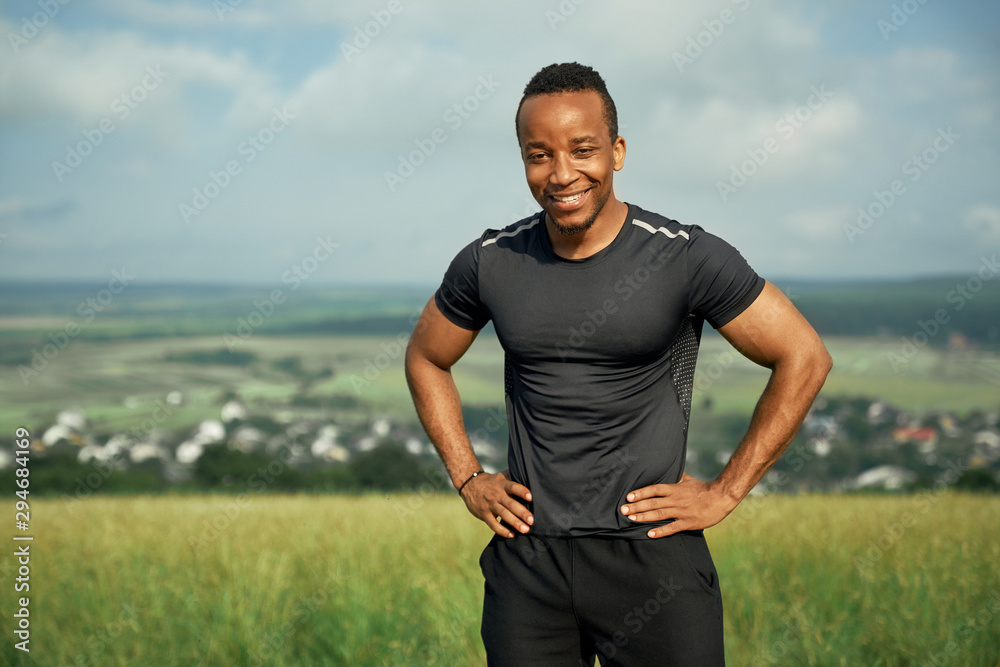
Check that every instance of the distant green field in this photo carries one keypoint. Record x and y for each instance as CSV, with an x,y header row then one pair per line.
x,y
100,376
933,379
394,580
115,367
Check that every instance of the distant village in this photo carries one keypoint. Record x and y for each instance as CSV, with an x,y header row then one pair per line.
x,y
845,445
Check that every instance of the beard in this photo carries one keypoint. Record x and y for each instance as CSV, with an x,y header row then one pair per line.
x,y
573,230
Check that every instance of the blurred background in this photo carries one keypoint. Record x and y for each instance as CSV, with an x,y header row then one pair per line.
x,y
219,220
229,202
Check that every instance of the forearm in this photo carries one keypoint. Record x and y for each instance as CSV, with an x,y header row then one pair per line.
x,y
439,407
779,413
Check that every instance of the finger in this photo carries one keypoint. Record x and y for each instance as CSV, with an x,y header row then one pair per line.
x,y
649,505
493,521
648,492
519,490
666,531
653,515
522,513
511,519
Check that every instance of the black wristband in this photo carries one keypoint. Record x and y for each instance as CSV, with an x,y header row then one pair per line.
x,y
472,477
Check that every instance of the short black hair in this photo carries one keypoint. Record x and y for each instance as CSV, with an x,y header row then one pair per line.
x,y
569,78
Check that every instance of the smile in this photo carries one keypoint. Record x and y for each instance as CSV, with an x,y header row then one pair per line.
x,y
566,202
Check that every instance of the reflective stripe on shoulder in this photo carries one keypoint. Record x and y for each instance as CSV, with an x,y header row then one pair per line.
x,y
527,225
652,230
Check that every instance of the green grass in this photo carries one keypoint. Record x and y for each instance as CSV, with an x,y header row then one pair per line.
x,y
394,580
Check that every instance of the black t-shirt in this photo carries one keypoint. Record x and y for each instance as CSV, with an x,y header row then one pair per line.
x,y
599,354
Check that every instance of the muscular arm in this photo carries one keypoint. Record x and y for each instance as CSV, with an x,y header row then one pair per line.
x,y
772,333
435,346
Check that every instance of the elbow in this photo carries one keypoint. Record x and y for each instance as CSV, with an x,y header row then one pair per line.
x,y
810,365
822,364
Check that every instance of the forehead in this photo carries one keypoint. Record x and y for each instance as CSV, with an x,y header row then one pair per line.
x,y
553,115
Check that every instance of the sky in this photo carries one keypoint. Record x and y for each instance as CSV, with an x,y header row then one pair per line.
x,y
230,141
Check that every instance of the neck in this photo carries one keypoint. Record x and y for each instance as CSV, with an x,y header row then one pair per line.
x,y
600,235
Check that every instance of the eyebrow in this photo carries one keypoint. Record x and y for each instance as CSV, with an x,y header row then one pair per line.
x,y
589,139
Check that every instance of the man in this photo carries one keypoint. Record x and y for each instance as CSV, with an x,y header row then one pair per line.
x,y
599,306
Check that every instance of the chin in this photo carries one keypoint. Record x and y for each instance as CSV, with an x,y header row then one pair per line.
x,y
574,229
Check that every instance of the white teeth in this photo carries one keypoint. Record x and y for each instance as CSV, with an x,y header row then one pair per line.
x,y
567,199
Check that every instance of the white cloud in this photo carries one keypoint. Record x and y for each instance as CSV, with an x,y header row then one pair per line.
x,y
79,76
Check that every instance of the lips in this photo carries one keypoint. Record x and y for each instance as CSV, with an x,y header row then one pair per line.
x,y
569,202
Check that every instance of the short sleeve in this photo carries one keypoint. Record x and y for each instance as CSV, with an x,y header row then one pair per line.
x,y
458,296
722,283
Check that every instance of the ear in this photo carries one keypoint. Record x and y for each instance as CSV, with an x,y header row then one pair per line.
x,y
618,150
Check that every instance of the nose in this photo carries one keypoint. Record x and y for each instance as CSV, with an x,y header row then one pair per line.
x,y
562,172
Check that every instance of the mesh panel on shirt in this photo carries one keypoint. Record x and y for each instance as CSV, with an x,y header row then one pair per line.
x,y
508,376
684,355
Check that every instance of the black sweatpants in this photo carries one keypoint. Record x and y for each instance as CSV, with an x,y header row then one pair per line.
x,y
642,603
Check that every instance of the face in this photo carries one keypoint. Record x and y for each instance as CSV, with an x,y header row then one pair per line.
x,y
569,158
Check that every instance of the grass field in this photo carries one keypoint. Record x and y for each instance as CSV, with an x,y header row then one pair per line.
x,y
376,580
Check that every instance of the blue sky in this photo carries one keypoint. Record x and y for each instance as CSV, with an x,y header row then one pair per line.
x,y
224,139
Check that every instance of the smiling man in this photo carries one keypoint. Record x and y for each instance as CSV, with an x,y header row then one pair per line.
x,y
599,306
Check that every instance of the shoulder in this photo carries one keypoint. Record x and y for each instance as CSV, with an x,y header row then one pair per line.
x,y
663,236
654,224
516,235
693,238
